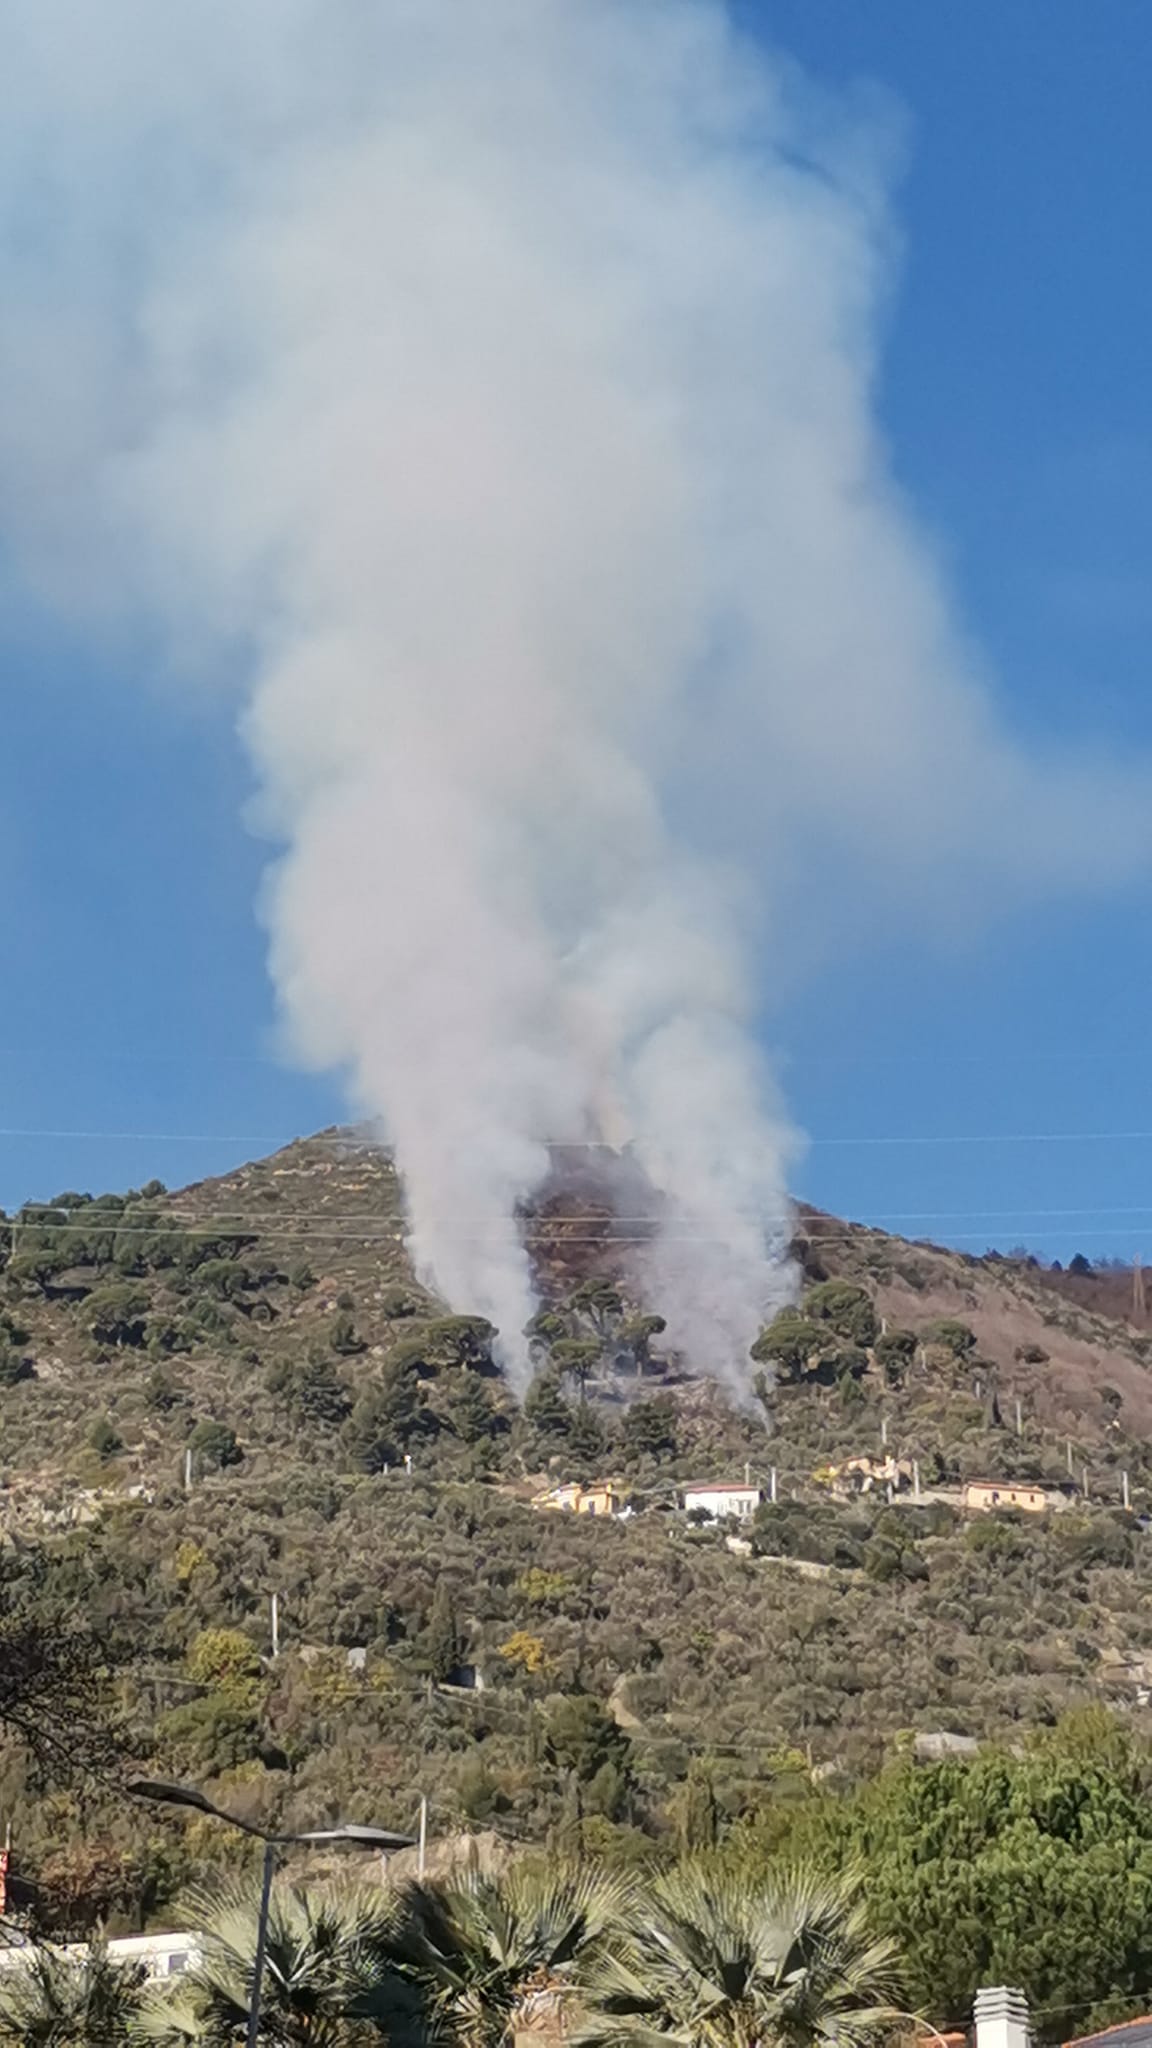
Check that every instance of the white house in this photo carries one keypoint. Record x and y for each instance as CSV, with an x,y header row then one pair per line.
x,y
162,1955
722,1497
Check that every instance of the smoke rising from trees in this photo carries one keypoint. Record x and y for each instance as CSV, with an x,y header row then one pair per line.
x,y
490,388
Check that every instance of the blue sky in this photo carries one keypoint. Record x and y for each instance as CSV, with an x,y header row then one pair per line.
x,y
1014,393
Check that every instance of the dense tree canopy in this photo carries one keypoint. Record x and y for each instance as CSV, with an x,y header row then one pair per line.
x,y
1032,1869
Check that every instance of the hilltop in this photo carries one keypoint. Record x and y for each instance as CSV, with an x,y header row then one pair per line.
x,y
213,1301
263,1335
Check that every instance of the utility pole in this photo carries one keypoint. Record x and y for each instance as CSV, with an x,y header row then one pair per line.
x,y
915,1479
1085,1482
275,1624
747,1474
1069,1446
1127,1495
1019,1418
423,1842
772,1483
1138,1303
884,1431
188,1470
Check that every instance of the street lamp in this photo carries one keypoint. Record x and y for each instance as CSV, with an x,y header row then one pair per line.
x,y
357,1837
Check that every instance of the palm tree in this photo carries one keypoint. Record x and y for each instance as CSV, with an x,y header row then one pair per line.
x,y
329,1980
492,1953
710,1960
50,1999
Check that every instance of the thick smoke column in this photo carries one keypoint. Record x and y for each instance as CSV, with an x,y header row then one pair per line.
x,y
492,385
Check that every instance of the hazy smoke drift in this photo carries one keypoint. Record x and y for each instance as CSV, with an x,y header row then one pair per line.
x,y
496,378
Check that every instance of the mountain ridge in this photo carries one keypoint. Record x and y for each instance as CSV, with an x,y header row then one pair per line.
x,y
248,1393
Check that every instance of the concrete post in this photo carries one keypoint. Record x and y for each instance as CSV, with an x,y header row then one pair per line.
x,y
1001,2018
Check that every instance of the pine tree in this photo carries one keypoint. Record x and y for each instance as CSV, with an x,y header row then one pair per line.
x,y
442,1645
545,1407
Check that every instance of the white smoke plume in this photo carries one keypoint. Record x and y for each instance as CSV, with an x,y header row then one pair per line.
x,y
489,385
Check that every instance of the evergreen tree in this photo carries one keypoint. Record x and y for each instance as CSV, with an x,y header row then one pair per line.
x,y
587,1436
649,1429
471,1414
545,1407
441,1643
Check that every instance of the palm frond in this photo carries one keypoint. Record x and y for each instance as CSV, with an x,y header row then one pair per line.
x,y
328,1971
490,1950
710,1961
49,1999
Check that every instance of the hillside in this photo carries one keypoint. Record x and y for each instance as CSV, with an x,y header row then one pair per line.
x,y
267,1324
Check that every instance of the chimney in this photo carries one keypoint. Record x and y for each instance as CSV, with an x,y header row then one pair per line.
x,y
1001,2016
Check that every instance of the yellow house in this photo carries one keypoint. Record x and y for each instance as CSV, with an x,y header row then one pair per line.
x,y
601,1497
980,1495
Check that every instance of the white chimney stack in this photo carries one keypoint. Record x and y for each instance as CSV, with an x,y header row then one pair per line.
x,y
1001,2016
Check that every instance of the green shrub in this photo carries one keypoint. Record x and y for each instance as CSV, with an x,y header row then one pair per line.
x,y
214,1445
209,1736
14,1367
115,1315
895,1351
225,1279
311,1392
207,1318
103,1438
949,1335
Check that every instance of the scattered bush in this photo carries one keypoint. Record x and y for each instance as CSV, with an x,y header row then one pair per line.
x,y
214,1445
949,1335
104,1439
115,1315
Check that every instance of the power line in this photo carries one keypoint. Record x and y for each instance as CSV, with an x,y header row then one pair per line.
x,y
999,1138
307,1233
151,1137
563,1144
326,1229
93,1211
